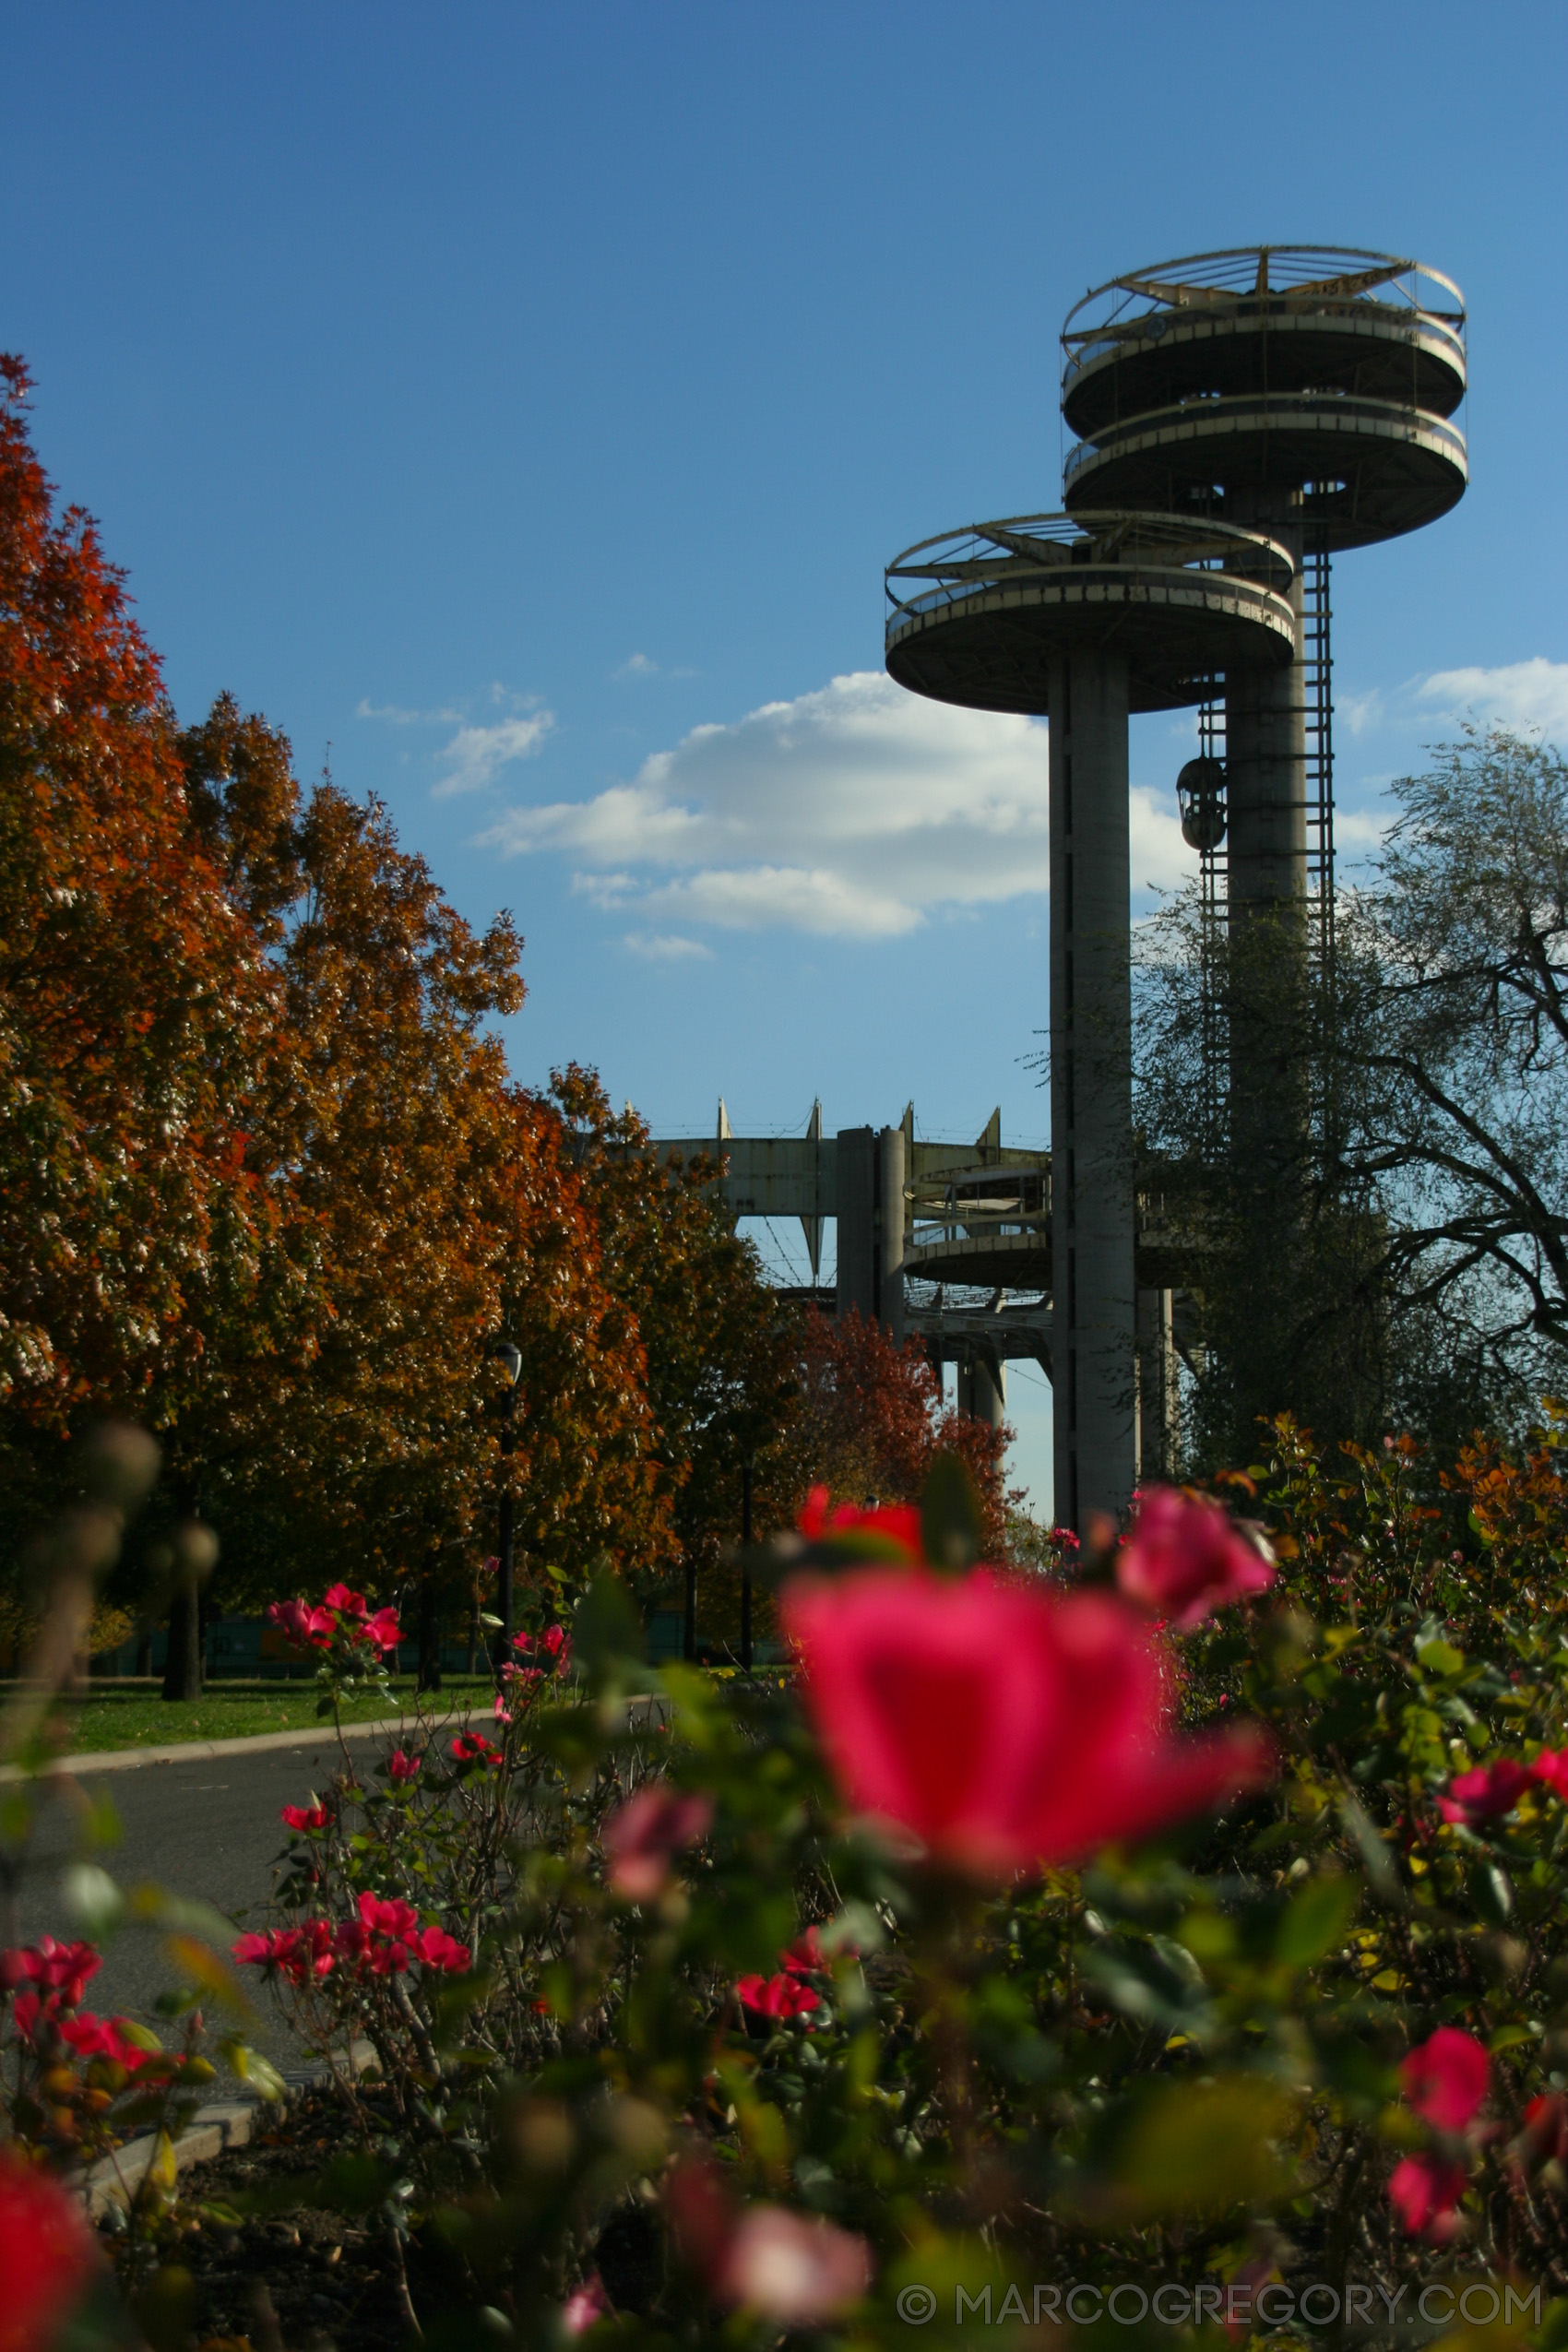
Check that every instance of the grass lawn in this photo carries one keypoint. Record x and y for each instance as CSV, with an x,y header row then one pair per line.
x,y
131,1714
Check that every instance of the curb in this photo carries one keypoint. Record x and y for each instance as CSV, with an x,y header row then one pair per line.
x,y
203,1750
257,1743
226,2124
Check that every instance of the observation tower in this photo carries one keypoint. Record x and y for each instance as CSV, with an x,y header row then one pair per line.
x,y
1240,416
1307,391
1086,618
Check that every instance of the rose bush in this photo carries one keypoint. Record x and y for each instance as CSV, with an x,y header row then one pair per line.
x,y
1016,1938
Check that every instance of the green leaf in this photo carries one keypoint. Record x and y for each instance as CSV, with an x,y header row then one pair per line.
x,y
1491,1892
607,1632
950,1515
1316,1920
93,1900
1200,2148
251,2067
1441,1658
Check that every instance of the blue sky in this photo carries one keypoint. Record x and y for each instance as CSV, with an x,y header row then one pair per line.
x,y
523,401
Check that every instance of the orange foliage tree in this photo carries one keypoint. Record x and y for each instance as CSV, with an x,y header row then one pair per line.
x,y
265,1182
429,1209
132,1007
718,1346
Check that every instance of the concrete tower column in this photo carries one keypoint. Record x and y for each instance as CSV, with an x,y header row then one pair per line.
x,y
1265,768
890,1232
1158,1391
870,1226
1093,1360
980,1394
857,1222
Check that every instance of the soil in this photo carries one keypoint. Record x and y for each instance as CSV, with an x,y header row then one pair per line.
x,y
292,2278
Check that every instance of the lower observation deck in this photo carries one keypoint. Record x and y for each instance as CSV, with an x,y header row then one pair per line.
x,y
979,615
1356,471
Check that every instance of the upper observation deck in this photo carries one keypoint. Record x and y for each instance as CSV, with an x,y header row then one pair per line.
x,y
1263,319
978,615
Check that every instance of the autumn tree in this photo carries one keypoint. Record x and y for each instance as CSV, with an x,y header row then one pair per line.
x,y
870,1422
132,1006
717,1348
427,1209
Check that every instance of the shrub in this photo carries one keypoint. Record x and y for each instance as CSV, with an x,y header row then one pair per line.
x,y
1026,1943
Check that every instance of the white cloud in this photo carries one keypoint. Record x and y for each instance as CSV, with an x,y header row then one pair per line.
x,y
1160,858
1520,694
1359,828
1358,712
365,708
667,947
475,753
638,665
853,812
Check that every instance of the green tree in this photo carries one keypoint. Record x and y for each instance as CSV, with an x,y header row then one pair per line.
x,y
1403,1247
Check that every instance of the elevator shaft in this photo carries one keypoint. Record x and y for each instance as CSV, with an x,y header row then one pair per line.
x,y
1093,1351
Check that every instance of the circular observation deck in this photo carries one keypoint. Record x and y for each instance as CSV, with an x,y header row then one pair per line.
x,y
978,615
1264,319
1355,470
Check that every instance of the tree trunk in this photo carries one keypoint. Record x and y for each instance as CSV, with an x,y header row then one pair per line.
x,y
473,1638
181,1676
429,1677
144,1646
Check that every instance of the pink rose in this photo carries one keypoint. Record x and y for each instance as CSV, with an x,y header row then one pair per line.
x,y
382,1628
1488,1790
48,2255
436,1949
778,1997
1186,1558
796,2271
886,1530
642,1837
307,1628
590,2304
1009,1729
472,1747
1445,2078
62,1968
1425,2193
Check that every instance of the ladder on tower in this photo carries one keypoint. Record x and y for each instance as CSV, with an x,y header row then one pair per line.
x,y
1214,916
1317,657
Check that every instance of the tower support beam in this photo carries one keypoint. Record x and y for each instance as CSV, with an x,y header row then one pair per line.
x,y
1093,1353
1266,770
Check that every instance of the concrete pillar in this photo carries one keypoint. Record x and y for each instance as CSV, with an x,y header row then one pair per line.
x,y
1093,1361
870,1226
890,1231
857,1222
1158,1394
1265,768
981,1393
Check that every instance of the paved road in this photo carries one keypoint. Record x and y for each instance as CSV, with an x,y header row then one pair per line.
x,y
209,1828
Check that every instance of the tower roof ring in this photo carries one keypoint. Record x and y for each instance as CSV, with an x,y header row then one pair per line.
x,y
1263,319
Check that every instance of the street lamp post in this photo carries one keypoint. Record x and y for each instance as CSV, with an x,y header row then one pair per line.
x,y
510,1359
746,1566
